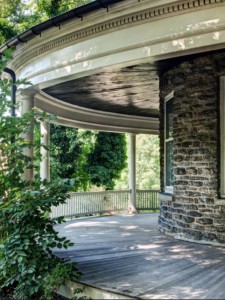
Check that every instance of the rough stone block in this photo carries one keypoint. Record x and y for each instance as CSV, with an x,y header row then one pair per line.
x,y
187,219
177,205
205,221
194,214
220,228
209,236
190,207
194,234
197,226
182,224
221,238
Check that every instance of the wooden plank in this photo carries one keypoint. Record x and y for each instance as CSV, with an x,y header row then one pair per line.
x,y
126,254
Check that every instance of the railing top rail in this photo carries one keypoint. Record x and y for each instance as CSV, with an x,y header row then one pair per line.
x,y
100,192
111,192
157,191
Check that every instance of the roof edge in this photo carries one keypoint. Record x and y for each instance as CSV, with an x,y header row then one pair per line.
x,y
77,12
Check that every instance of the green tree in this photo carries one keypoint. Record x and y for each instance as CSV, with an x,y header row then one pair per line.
x,y
69,154
147,164
107,159
7,9
19,15
56,7
87,139
7,31
64,151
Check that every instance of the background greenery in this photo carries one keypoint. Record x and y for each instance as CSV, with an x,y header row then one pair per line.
x,y
147,164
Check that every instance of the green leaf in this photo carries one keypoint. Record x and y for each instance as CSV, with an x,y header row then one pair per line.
x,y
30,270
22,253
59,245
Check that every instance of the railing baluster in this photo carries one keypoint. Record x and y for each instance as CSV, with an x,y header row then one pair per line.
x,y
107,201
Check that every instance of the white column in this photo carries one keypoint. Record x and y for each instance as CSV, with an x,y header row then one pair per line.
x,y
45,157
132,171
26,106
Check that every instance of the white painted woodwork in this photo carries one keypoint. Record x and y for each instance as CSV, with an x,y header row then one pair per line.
x,y
222,136
26,99
132,171
45,159
168,189
123,38
87,203
67,290
80,117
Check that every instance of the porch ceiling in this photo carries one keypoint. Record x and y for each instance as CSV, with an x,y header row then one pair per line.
x,y
130,90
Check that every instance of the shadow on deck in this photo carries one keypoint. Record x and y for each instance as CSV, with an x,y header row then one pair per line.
x,y
127,255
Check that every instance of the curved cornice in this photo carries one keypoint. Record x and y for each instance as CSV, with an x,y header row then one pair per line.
x,y
147,15
80,117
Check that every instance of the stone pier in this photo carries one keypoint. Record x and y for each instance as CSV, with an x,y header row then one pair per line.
x,y
193,211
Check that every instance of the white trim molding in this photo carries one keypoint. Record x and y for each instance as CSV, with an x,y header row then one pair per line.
x,y
148,31
80,117
222,136
168,189
146,14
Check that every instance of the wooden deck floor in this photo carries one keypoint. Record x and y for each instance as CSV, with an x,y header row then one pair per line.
x,y
128,255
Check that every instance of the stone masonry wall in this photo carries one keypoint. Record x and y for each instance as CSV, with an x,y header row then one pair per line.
x,y
191,212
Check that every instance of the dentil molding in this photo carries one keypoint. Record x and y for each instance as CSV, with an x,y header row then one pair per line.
x,y
149,15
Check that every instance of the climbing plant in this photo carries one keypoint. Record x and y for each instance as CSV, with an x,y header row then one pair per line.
x,y
27,234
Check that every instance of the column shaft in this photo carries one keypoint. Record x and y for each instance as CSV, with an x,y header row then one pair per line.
x,y
132,171
45,160
27,104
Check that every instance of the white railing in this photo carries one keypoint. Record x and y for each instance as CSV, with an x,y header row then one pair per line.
x,y
89,203
147,200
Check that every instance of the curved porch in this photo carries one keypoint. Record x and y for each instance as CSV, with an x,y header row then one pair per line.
x,y
125,257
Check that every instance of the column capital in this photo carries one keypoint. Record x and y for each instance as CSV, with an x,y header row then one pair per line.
x,y
26,93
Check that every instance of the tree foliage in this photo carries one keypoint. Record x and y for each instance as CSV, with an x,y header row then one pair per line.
x,y
18,15
107,160
69,153
147,164
65,150
89,157
55,7
87,139
27,234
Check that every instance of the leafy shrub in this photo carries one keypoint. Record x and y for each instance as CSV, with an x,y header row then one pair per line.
x,y
27,234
